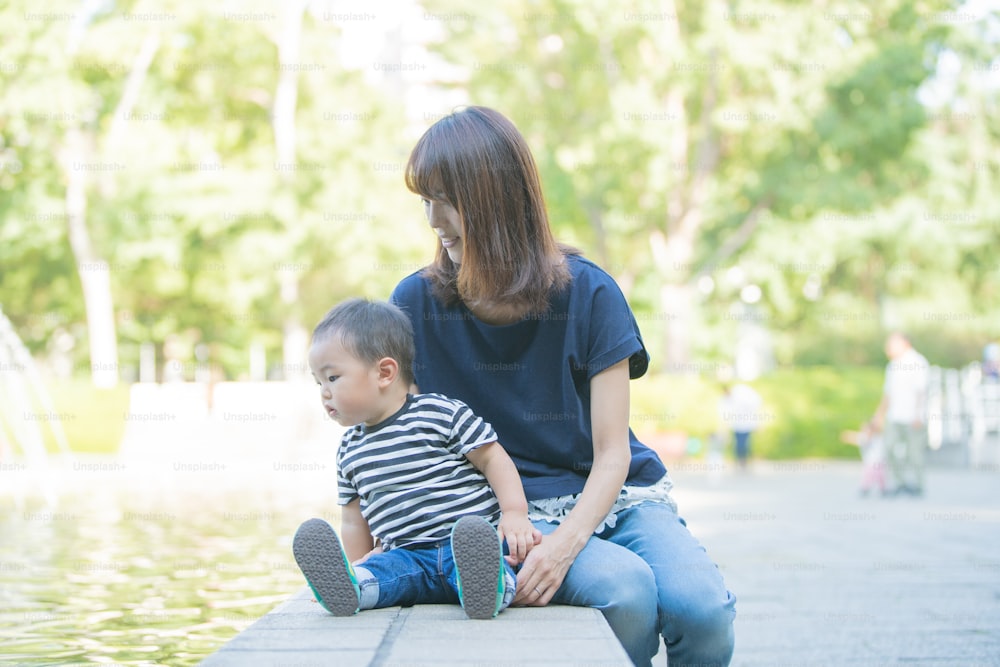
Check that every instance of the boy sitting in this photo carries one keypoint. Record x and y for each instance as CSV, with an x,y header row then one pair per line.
x,y
428,494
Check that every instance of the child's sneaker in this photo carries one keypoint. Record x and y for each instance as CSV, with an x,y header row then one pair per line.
x,y
478,555
325,565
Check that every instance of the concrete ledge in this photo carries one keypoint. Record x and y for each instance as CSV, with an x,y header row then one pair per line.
x,y
301,633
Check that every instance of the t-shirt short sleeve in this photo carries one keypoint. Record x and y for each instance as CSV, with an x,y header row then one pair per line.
x,y
469,432
614,333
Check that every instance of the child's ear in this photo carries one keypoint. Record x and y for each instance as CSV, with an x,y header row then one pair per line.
x,y
388,371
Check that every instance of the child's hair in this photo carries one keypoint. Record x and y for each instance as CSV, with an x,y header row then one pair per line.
x,y
371,330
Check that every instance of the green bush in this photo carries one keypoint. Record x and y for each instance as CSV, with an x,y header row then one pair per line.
x,y
662,403
811,406
92,419
805,408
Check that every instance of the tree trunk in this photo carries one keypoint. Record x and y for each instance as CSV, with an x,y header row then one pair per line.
x,y
673,251
677,299
596,219
283,123
94,271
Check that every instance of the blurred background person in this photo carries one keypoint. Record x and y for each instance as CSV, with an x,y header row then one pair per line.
x,y
902,414
739,411
869,441
991,362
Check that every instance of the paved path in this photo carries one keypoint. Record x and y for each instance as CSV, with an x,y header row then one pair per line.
x,y
301,633
824,577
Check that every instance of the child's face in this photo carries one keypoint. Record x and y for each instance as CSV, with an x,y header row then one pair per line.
x,y
349,387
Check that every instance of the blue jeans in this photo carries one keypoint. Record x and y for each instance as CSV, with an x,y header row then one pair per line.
x,y
742,446
409,576
649,577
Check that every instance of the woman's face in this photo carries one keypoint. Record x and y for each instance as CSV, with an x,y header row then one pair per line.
x,y
447,224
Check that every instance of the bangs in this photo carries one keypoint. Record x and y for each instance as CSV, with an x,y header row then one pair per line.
x,y
477,161
428,172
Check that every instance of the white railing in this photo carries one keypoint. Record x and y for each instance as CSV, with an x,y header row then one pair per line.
x,y
964,412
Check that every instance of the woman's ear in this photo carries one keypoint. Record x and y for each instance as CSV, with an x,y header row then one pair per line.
x,y
388,371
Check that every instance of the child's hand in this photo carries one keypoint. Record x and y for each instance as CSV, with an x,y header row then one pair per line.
x,y
520,535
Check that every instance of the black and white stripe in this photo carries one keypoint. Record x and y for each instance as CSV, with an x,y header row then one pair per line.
x,y
412,474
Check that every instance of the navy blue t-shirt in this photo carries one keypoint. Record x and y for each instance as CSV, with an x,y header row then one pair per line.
x,y
531,379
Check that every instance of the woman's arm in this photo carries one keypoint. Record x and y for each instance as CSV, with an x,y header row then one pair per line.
x,y
878,419
358,541
545,567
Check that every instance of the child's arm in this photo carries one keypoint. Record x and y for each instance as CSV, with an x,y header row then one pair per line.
x,y
851,438
502,475
358,541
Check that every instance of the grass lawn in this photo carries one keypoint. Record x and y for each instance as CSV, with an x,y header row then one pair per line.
x,y
806,409
92,419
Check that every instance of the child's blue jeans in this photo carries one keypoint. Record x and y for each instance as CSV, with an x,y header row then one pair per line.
x,y
424,574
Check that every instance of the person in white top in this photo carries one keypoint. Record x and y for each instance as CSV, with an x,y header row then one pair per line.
x,y
902,414
740,411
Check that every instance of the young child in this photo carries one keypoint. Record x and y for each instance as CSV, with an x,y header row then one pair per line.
x,y
428,494
869,441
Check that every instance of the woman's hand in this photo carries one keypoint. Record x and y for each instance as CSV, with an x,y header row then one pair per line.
x,y
521,536
544,569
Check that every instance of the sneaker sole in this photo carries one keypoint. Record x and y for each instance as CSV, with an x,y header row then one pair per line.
x,y
322,560
476,549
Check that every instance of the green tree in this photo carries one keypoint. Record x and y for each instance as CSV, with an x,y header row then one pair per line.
x,y
250,195
677,135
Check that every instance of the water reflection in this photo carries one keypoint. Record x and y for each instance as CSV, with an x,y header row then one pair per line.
x,y
134,574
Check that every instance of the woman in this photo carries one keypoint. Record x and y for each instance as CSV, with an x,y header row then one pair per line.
x,y
542,344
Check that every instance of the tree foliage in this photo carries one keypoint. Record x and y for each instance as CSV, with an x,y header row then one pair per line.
x,y
839,158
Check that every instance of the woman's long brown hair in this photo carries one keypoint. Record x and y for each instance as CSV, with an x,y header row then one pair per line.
x,y
477,161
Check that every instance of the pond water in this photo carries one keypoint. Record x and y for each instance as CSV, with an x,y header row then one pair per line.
x,y
134,570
